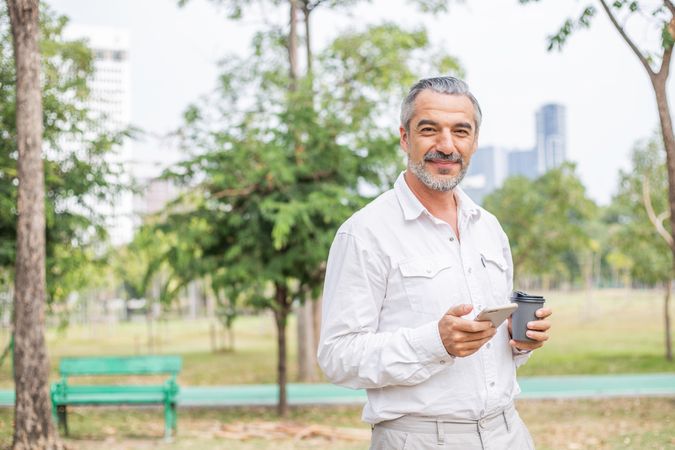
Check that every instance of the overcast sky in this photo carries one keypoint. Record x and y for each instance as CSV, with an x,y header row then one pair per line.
x,y
500,43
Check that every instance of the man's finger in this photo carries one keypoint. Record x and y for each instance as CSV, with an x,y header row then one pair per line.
x,y
543,313
537,335
539,325
459,310
481,335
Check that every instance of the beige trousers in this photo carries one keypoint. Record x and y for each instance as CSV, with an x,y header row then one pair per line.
x,y
502,431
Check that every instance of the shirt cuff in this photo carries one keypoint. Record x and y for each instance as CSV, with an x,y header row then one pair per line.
x,y
428,344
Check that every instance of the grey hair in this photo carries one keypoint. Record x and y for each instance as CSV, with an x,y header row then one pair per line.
x,y
442,85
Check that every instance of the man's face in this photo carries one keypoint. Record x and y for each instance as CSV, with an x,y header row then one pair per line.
x,y
441,140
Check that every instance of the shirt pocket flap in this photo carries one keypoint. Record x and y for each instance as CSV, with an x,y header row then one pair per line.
x,y
424,267
496,259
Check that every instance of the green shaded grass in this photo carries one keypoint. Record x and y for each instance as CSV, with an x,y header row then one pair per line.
x,y
604,332
610,331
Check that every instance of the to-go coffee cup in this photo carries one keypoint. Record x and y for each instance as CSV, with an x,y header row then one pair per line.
x,y
527,306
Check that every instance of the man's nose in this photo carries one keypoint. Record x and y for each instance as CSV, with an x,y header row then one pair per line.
x,y
445,143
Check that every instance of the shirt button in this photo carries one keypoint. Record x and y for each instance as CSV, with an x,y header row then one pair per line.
x,y
442,361
492,384
469,270
488,345
452,238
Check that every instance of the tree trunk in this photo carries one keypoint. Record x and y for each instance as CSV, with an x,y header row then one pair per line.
x,y
316,320
659,83
293,46
306,343
33,427
666,314
308,38
282,307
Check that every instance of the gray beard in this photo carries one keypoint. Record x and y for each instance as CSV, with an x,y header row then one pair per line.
x,y
444,184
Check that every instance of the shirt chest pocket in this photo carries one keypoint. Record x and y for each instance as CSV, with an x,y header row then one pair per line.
x,y
427,283
496,268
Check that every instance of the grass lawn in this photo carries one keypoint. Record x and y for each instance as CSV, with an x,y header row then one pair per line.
x,y
638,424
610,331
604,332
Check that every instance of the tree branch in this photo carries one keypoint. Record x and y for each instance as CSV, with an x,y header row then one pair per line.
x,y
626,38
312,5
656,221
241,192
665,62
670,6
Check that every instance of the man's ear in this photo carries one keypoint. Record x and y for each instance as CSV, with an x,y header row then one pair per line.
x,y
404,138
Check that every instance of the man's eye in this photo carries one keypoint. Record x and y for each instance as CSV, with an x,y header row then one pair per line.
x,y
427,130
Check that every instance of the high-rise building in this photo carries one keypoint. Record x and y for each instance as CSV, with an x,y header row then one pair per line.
x,y
487,171
109,104
490,166
523,163
551,142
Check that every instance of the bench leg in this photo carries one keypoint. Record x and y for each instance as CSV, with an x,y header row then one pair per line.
x,y
62,415
174,417
168,420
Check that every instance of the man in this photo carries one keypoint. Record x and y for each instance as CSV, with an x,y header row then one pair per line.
x,y
407,275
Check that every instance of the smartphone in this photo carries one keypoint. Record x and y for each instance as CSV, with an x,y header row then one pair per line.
x,y
497,314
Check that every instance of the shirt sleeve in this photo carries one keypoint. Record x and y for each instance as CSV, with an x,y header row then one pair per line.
x,y
352,352
519,357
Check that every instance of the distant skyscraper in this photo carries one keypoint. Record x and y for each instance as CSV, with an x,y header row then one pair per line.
x,y
487,172
110,106
551,137
490,166
523,163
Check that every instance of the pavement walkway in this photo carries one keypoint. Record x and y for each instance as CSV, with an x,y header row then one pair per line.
x,y
550,387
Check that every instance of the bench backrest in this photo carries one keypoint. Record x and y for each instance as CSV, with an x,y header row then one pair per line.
x,y
120,365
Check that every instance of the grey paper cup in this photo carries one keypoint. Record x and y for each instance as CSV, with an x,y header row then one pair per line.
x,y
527,306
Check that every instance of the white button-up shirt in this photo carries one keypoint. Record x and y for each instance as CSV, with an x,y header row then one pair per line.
x,y
393,271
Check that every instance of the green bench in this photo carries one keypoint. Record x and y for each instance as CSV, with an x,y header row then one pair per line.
x,y
63,393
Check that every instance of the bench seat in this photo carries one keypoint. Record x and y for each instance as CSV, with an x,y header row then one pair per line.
x,y
64,393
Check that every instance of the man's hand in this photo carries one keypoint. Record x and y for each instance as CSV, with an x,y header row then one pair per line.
x,y
537,330
463,337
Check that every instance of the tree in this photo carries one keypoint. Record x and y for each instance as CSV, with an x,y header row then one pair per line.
x,y
74,176
308,314
547,222
50,185
660,17
633,212
33,427
276,171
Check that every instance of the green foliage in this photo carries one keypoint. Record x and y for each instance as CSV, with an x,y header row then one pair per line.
x,y
557,41
72,177
160,261
623,10
275,172
547,221
633,235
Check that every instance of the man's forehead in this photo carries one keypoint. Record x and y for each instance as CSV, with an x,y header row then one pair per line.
x,y
437,106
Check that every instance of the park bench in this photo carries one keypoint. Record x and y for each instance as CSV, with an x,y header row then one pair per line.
x,y
63,393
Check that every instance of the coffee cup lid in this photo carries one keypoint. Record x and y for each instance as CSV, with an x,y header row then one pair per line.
x,y
521,296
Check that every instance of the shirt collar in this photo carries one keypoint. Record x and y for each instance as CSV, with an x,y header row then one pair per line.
x,y
413,208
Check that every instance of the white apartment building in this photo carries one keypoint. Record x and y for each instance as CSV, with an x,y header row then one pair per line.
x,y
110,106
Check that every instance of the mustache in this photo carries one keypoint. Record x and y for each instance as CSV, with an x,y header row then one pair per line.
x,y
452,157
